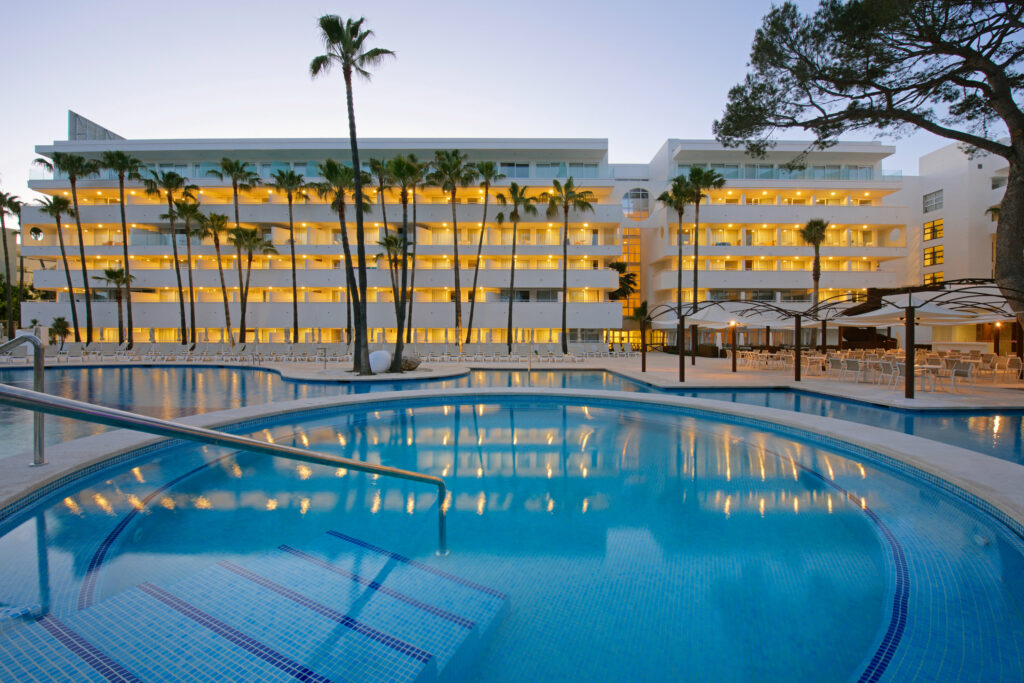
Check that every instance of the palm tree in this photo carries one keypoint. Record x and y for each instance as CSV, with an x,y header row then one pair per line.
x,y
380,172
567,198
117,278
338,181
241,177
14,205
814,234
248,242
406,173
450,172
627,282
55,207
489,174
521,204
76,167
59,329
126,167
345,45
677,198
290,183
695,187
167,183
420,170
188,211
7,204
211,227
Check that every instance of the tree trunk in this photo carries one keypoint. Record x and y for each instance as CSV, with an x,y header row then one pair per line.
x,y
816,273
191,285
476,270
295,288
396,362
177,269
120,318
223,291
127,267
412,284
245,298
679,274
71,289
85,270
362,353
1009,270
352,292
696,239
511,288
565,277
9,281
458,283
241,296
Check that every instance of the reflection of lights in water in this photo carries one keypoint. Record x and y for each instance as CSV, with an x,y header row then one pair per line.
x,y
444,472
340,472
304,472
303,505
138,475
792,462
304,438
760,507
796,504
374,476
236,471
728,506
480,409
410,504
103,503
447,502
549,471
480,438
73,506
341,440
446,410
272,504
375,507
551,504
444,441
830,503
863,503
995,424
863,474
586,411
270,437
584,439
515,439
134,501
551,439
831,474
167,502
203,503
408,442
479,472
586,505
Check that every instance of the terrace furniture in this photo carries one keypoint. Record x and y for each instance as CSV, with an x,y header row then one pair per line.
x,y
1013,367
887,371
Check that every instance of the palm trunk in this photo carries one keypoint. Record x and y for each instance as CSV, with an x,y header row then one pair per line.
x,y
245,299
476,269
352,293
396,362
85,270
9,281
127,267
177,269
511,287
412,284
191,286
241,297
458,283
816,273
67,274
21,284
696,239
362,354
679,274
223,291
295,287
565,276
120,317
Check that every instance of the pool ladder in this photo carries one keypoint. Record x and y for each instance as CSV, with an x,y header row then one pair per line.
x,y
40,403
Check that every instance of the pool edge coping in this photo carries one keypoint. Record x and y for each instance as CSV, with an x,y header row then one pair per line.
x,y
983,478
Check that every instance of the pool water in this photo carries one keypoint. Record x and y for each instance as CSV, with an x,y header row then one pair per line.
x,y
632,543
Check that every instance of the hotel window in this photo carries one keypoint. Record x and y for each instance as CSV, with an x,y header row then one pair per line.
x,y
827,172
552,170
514,170
583,170
932,201
933,230
933,256
933,278
636,204
727,170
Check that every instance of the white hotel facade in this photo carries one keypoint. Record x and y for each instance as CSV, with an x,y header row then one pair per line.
x,y
749,243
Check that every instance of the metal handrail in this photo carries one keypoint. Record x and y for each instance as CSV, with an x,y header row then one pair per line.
x,y
89,412
38,456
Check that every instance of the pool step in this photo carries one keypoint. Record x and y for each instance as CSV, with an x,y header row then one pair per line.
x,y
338,609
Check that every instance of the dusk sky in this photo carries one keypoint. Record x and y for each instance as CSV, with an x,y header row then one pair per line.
x,y
634,72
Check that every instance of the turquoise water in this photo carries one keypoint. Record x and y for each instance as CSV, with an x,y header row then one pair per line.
x,y
633,544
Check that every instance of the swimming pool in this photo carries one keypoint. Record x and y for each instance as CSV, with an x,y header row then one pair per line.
x,y
594,539
168,392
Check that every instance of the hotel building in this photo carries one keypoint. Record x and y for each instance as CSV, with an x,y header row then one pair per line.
x,y
749,241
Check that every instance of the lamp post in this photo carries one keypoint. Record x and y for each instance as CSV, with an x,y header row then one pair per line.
x,y
643,345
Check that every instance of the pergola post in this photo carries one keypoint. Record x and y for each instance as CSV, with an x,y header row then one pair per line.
x,y
824,335
796,348
768,337
908,360
735,332
693,344
643,345
681,345
995,337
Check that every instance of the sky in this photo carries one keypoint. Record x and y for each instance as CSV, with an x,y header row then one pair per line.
x,y
635,72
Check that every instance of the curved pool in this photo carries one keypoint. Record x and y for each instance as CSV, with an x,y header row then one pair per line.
x,y
591,539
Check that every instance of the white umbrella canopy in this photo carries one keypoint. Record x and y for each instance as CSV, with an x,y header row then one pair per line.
x,y
718,318
925,314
